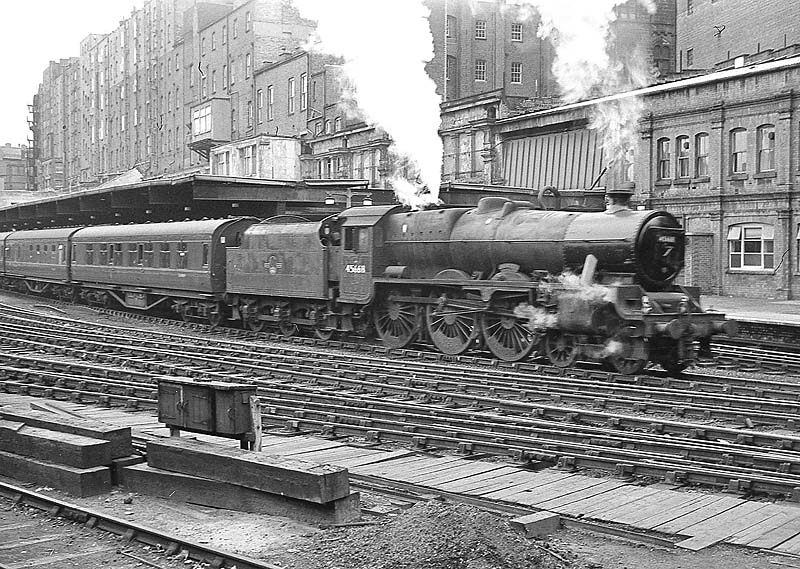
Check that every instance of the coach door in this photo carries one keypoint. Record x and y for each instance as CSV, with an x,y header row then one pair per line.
x,y
356,275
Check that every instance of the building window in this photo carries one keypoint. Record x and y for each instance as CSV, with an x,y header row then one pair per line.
x,y
201,120
689,57
221,164
248,65
480,29
203,86
213,41
449,66
327,127
766,148
516,72
233,72
214,81
738,151
260,106
450,27
247,158
303,91
480,70
202,46
224,77
249,114
682,148
248,21
689,7
516,31
664,158
751,246
270,103
337,124
291,95
224,34
235,28
701,155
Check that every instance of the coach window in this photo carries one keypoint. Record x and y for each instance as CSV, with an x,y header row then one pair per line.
x,y
682,144
183,256
140,254
738,151
163,256
701,155
148,255
664,157
102,256
90,254
766,148
119,255
751,246
133,256
205,254
62,257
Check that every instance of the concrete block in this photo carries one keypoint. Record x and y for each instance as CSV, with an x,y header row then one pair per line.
x,y
320,483
119,437
144,479
538,524
75,481
52,446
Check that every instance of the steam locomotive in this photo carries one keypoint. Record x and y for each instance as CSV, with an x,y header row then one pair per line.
x,y
507,276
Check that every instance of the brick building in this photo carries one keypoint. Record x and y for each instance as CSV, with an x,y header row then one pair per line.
x,y
13,168
710,32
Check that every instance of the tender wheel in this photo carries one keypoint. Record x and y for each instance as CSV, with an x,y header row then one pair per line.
x,y
397,323
185,314
631,359
560,349
507,337
253,324
451,332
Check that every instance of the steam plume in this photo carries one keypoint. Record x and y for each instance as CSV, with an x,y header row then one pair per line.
x,y
385,45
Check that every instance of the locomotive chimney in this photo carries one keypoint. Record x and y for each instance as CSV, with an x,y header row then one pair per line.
x,y
618,199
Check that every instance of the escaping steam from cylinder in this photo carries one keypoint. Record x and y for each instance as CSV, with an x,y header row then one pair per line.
x,y
385,45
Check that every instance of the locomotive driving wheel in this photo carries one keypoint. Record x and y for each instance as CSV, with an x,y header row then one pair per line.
x,y
397,323
560,348
506,336
632,357
451,330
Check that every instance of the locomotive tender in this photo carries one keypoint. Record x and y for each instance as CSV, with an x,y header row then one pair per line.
x,y
502,275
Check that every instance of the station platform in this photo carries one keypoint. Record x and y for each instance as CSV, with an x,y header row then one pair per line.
x,y
692,519
757,310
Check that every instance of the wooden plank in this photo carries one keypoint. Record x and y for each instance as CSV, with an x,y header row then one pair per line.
x,y
355,464
119,437
52,446
697,502
722,526
277,475
297,445
557,503
777,517
536,481
479,481
681,524
457,473
777,536
431,467
75,481
791,545
218,494
550,491
665,500
394,467
604,507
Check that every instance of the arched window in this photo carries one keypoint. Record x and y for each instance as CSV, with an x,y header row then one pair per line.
x,y
751,246
664,157
738,151
701,155
682,148
766,148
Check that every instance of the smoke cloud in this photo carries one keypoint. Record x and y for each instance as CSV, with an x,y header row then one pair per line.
x,y
385,45
583,67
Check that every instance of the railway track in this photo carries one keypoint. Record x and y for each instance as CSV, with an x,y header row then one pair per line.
x,y
505,410
39,544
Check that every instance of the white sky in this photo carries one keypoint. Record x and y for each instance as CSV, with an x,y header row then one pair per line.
x,y
34,32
